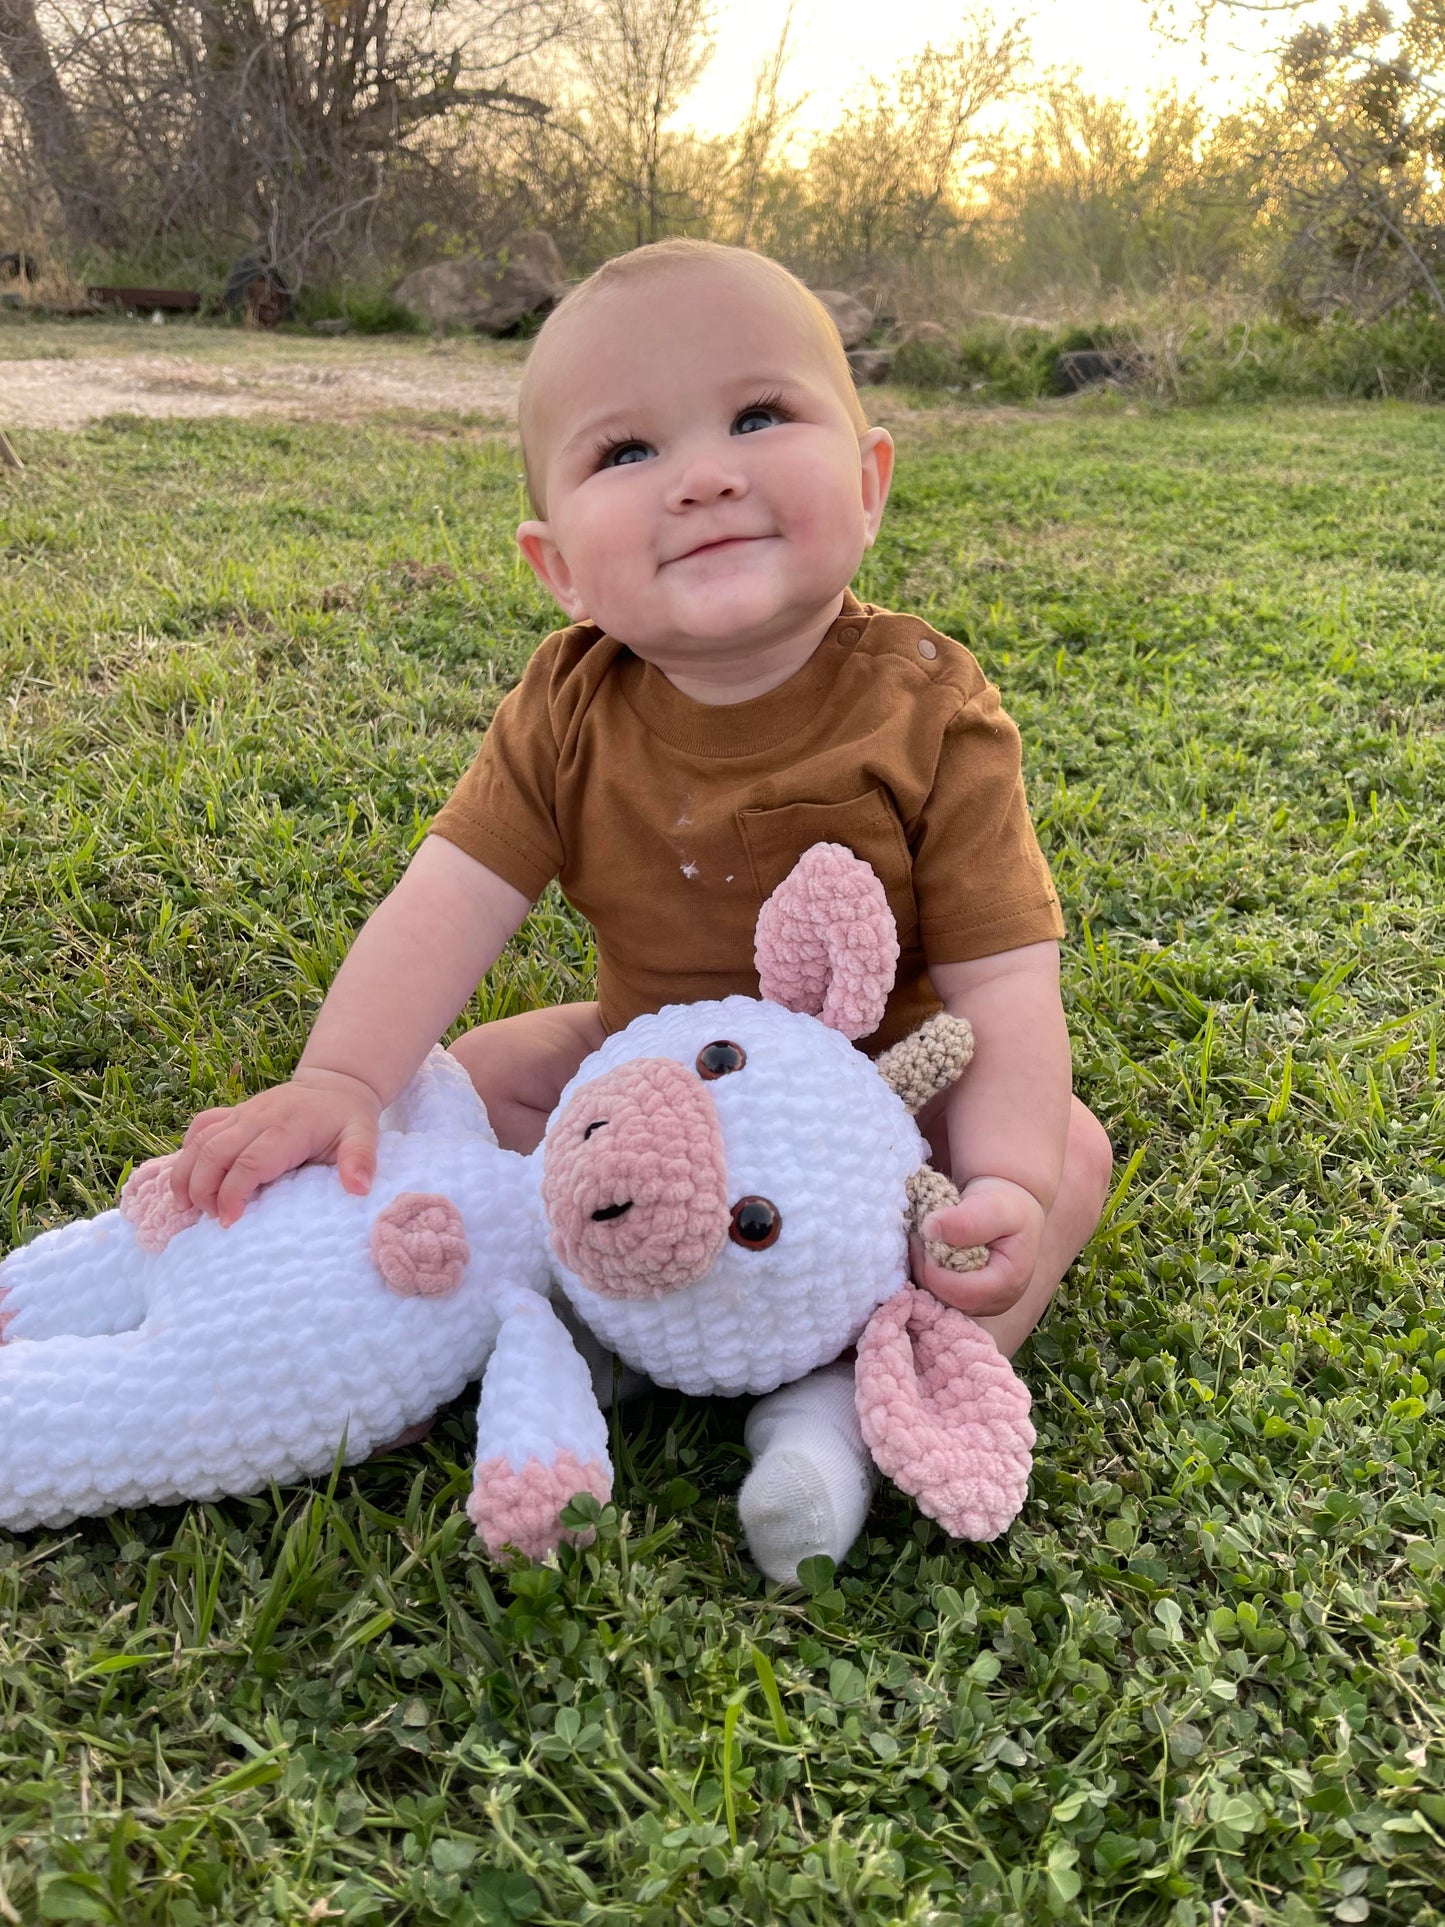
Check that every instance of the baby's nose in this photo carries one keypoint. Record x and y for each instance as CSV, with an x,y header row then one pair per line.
x,y
634,1181
704,479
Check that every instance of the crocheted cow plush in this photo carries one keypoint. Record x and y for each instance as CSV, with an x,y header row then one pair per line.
x,y
723,1197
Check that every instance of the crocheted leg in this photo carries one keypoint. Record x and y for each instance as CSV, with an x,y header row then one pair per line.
x,y
541,1437
143,1417
82,1279
812,1477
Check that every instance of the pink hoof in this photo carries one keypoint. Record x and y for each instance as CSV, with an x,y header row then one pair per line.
x,y
524,1509
148,1202
419,1245
944,1414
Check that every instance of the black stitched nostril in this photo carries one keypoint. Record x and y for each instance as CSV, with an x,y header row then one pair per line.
x,y
595,1126
610,1211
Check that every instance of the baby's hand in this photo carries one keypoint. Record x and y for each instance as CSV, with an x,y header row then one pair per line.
x,y
993,1212
320,1117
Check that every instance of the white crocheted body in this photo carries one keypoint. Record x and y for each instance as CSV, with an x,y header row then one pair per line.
x,y
235,1358
809,1124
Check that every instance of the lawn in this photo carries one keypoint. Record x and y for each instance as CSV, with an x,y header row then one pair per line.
x,y
1201,1680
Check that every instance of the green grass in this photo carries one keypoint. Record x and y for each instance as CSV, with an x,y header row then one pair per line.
x,y
1201,1680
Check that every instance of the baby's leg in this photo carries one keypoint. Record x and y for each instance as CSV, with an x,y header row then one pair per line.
x,y
1071,1222
812,1477
520,1064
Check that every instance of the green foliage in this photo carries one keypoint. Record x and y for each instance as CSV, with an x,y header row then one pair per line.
x,y
370,310
242,665
1400,356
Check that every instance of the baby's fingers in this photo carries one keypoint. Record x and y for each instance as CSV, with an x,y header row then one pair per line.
x,y
265,1158
356,1158
993,1288
184,1162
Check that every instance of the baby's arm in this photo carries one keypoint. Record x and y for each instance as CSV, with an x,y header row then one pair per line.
x,y
414,964
1008,1120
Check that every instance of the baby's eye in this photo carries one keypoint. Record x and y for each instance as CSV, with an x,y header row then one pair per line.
x,y
624,454
764,415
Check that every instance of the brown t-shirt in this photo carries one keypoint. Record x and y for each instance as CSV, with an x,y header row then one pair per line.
x,y
667,821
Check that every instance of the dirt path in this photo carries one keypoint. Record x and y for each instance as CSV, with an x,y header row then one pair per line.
x,y
64,375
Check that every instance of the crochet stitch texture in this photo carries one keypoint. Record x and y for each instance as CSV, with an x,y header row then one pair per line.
x,y
723,1198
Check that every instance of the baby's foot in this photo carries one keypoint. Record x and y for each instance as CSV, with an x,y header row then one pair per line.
x,y
812,1478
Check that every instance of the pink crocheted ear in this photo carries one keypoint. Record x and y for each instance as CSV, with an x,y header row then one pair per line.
x,y
826,941
944,1414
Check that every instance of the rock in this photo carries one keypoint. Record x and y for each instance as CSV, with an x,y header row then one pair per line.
x,y
335,324
851,318
930,331
1010,321
490,293
878,302
1080,368
870,364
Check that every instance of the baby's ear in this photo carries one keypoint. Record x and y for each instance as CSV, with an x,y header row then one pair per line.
x,y
547,563
875,457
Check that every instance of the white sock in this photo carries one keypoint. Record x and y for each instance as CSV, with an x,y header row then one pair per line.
x,y
812,1477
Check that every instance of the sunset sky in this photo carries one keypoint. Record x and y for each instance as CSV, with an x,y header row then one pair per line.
x,y
839,43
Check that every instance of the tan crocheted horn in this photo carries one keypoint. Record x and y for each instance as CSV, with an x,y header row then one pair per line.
x,y
928,1060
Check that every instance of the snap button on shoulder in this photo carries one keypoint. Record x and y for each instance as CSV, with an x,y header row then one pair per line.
x,y
927,649
849,634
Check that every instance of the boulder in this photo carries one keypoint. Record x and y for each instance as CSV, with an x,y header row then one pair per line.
x,y
870,364
879,303
852,319
1080,368
490,293
930,331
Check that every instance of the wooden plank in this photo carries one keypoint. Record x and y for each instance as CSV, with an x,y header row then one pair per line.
x,y
175,300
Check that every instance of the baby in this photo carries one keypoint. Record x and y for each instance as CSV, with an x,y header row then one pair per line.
x,y
705,485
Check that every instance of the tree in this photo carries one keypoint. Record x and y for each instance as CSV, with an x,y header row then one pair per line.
x,y
890,181
283,122
1093,198
634,63
1352,146
87,207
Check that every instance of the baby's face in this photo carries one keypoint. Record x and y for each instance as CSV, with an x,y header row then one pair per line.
x,y
704,477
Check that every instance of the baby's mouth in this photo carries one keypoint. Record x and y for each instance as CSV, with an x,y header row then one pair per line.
x,y
722,543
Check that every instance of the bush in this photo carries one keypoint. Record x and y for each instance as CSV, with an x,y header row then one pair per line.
x,y
371,311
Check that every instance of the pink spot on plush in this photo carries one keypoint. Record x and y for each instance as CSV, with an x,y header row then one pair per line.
x,y
419,1245
634,1181
524,1509
5,1316
944,1414
148,1202
826,941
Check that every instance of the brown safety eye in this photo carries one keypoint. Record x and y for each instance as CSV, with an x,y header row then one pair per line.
x,y
756,1223
716,1060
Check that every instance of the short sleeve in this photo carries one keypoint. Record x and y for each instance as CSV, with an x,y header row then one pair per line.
x,y
979,875
503,811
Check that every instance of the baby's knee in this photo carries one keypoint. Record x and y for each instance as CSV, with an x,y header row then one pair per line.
x,y
476,1051
1088,1162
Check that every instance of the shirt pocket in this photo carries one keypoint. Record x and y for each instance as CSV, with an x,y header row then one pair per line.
x,y
867,825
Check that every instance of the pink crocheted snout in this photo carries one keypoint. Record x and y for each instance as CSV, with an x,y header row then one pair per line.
x,y
944,1414
634,1181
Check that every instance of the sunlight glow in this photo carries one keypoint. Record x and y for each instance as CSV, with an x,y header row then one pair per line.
x,y
838,44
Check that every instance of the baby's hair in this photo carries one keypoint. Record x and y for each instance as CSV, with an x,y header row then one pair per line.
x,y
679,256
